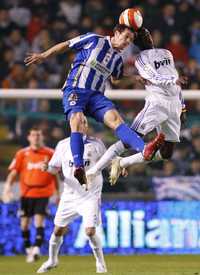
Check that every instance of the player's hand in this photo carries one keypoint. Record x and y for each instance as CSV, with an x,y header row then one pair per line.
x,y
183,118
44,164
7,195
34,58
182,80
140,79
124,172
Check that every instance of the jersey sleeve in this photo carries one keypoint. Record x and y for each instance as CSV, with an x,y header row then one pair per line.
x,y
16,163
146,71
118,69
56,160
80,41
100,148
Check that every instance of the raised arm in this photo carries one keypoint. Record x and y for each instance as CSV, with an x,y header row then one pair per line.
x,y
37,58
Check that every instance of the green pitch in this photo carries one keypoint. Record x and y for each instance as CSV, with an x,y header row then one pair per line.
x,y
117,265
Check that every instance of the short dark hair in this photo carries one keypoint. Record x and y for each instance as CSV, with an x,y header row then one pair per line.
x,y
121,27
34,128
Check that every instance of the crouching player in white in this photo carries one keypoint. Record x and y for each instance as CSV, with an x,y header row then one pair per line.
x,y
163,110
76,200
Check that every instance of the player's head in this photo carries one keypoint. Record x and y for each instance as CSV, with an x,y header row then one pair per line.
x,y
123,36
35,137
144,39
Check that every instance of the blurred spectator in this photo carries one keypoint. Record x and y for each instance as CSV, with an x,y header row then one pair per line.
x,y
18,44
177,48
194,169
194,50
20,15
167,22
6,26
71,10
169,168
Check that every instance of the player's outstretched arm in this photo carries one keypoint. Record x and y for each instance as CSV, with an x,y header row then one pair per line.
x,y
37,58
7,194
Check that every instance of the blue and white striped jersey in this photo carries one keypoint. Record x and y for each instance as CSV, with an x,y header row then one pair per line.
x,y
94,63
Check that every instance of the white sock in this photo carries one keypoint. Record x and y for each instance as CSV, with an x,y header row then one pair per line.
x,y
133,159
55,243
95,244
137,158
113,151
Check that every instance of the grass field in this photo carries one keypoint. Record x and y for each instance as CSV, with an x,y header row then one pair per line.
x,y
117,265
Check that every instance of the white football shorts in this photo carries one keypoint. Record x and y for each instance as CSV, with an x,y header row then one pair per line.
x,y
160,114
88,209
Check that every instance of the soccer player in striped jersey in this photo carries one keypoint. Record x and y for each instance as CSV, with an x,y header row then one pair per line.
x,y
98,58
163,107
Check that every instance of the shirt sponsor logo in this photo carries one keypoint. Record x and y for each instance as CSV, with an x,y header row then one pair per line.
x,y
34,165
86,163
163,62
99,67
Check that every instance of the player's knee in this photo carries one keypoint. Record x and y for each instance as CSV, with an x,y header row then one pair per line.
x,y
59,231
77,122
112,119
90,231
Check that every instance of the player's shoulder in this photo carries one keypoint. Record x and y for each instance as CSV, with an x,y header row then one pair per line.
x,y
95,140
48,150
63,142
23,151
165,51
92,35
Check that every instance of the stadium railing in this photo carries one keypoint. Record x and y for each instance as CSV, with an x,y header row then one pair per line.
x,y
112,94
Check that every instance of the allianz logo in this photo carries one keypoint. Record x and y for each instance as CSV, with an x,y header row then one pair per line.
x,y
163,62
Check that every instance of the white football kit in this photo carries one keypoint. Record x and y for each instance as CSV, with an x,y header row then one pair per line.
x,y
75,200
163,104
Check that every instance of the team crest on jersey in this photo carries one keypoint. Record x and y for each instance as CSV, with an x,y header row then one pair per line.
x,y
72,99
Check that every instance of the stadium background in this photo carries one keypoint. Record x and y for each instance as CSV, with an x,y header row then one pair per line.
x,y
156,208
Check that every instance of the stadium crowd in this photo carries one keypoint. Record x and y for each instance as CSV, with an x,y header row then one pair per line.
x,y
34,26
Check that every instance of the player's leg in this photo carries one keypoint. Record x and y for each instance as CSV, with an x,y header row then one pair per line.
x,y
77,145
91,213
65,214
145,122
39,209
25,219
55,243
74,102
95,244
113,151
104,110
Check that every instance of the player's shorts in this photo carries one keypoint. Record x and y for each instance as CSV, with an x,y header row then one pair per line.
x,y
32,206
91,103
88,209
160,114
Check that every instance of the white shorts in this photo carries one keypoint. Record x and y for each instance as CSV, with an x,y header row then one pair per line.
x,y
160,114
88,209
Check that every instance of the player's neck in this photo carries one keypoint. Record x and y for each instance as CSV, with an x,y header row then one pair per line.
x,y
35,147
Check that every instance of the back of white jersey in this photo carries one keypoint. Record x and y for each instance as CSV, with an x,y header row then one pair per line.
x,y
157,66
62,158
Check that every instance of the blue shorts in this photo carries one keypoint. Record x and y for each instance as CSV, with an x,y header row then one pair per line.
x,y
91,103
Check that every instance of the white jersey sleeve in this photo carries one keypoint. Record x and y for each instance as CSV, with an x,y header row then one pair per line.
x,y
100,148
146,70
56,160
